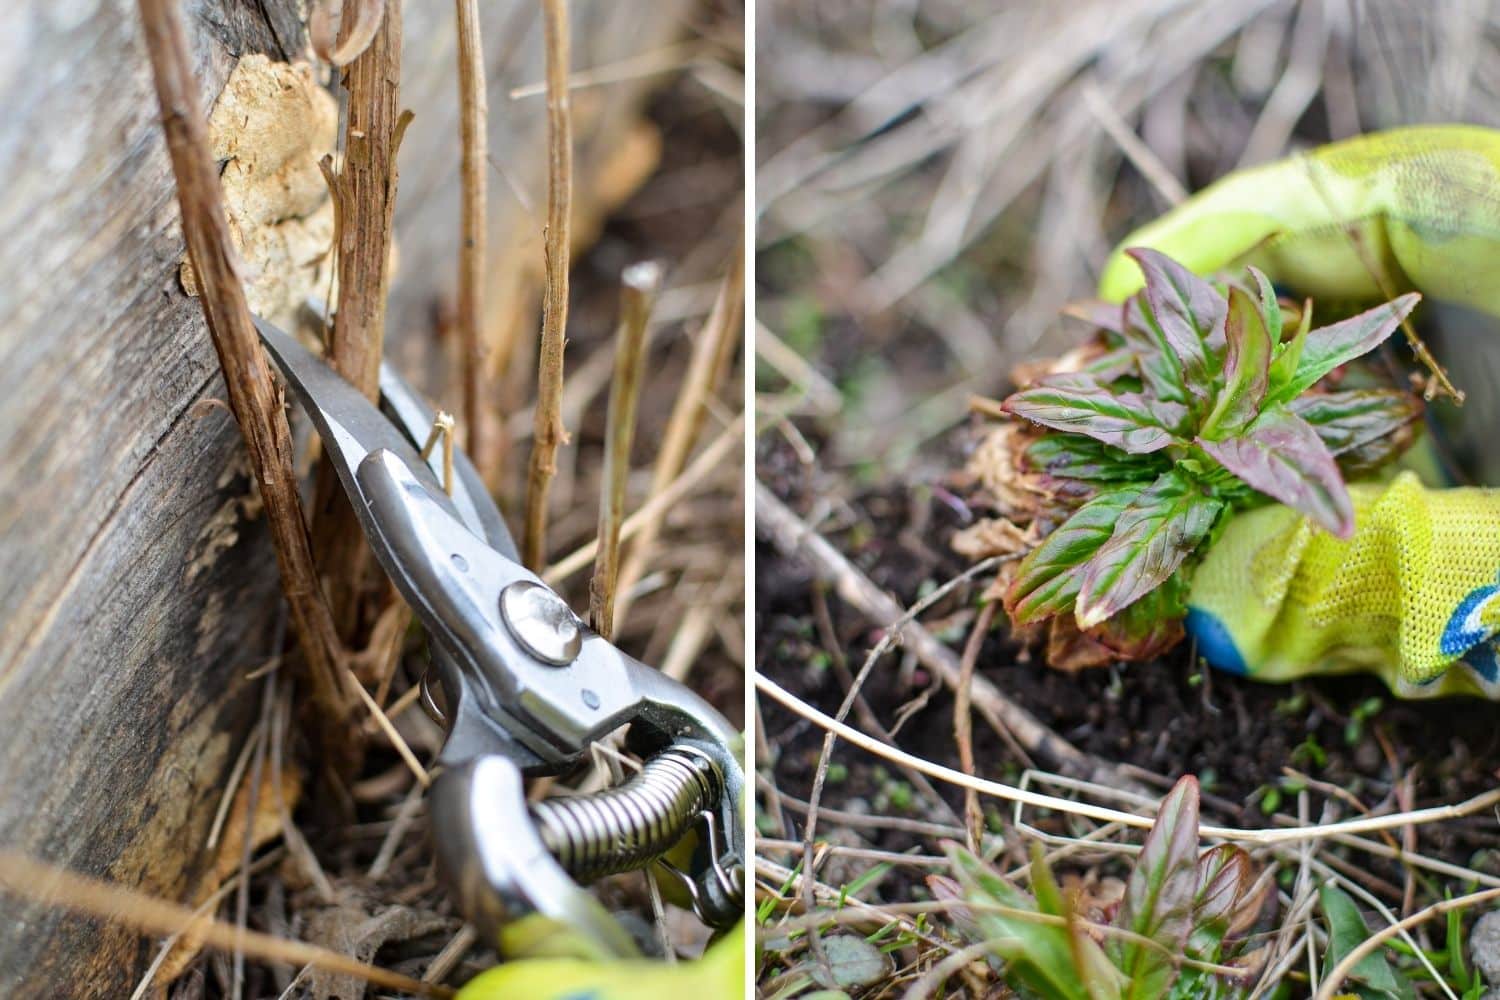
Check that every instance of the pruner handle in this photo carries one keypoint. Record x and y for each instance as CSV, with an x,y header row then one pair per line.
x,y
514,864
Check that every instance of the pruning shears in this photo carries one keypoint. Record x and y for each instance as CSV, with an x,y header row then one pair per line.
x,y
528,687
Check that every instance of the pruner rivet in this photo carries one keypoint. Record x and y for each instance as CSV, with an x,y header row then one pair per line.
x,y
541,622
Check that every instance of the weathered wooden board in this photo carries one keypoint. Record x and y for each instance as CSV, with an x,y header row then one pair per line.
x,y
135,593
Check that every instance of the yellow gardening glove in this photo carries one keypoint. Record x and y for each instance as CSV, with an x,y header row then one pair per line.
x,y
718,975
1415,206
1412,596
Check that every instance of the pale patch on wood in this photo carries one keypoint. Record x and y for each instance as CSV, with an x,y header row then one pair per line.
x,y
270,126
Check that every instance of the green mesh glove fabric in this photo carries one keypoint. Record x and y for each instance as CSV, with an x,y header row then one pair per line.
x,y
1413,596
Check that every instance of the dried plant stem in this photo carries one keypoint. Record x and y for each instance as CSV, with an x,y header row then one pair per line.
x,y
640,284
252,395
1010,793
204,908
473,119
549,433
365,195
49,884
963,721
711,357
707,461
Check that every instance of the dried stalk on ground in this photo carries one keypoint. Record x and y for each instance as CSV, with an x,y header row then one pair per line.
x,y
252,395
473,119
365,193
37,880
640,285
549,432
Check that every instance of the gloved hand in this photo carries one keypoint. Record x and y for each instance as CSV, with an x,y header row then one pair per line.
x,y
718,975
1414,592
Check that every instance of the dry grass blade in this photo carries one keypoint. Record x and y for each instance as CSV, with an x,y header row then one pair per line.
x,y
208,906
57,886
549,433
1010,793
640,283
473,103
247,377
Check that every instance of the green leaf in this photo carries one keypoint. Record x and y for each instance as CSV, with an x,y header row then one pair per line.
x,y
1246,368
1126,420
1354,418
1282,456
1045,584
1039,956
1289,354
1346,931
1187,312
852,961
1073,456
1160,894
1151,539
1270,306
1331,346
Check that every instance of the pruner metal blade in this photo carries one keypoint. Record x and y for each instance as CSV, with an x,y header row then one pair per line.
x,y
529,688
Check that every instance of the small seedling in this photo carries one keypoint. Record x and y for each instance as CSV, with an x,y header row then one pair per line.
x,y
1179,904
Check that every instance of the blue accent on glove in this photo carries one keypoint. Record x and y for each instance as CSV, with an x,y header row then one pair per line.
x,y
1215,644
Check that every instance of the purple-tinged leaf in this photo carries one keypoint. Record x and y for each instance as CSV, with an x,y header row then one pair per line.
x,y
1188,312
1127,420
1282,456
1331,346
1160,894
1246,367
1045,583
1159,367
1150,541
1073,456
1225,880
1355,418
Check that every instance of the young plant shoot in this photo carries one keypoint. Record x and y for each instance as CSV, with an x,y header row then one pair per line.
x,y
1197,400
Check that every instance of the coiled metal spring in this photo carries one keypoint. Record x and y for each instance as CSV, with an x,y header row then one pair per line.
x,y
625,827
